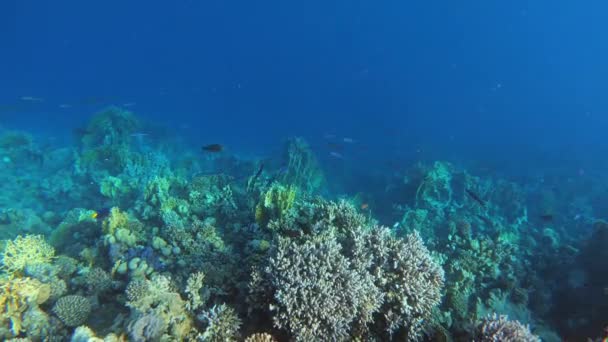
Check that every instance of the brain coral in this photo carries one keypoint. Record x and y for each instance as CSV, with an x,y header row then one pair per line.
x,y
72,310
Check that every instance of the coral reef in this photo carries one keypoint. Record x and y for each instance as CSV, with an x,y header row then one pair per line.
x,y
150,241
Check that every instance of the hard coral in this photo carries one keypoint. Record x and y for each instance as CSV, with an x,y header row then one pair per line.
x,y
499,329
19,300
318,294
72,310
260,337
408,276
24,251
157,297
222,324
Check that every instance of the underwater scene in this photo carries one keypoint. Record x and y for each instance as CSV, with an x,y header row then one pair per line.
x,y
269,171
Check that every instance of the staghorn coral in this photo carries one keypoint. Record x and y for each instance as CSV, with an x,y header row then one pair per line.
x,y
194,285
72,310
223,324
407,275
24,251
318,295
496,328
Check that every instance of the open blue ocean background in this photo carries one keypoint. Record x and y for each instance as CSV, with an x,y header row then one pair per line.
x,y
510,90
447,78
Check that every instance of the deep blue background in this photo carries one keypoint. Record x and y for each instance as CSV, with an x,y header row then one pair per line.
x,y
505,80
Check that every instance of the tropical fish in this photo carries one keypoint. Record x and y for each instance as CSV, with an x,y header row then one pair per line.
x,y
364,206
213,148
101,213
348,140
548,217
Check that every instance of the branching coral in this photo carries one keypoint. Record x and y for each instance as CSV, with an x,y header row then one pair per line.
x,y
499,329
222,324
24,251
408,276
318,294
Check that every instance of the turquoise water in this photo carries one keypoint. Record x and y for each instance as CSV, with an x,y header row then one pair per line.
x,y
322,171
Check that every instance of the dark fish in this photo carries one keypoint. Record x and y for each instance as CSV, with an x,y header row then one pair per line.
x,y
80,132
102,213
475,197
546,217
213,148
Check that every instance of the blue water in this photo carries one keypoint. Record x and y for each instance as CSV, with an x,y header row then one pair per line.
x,y
512,89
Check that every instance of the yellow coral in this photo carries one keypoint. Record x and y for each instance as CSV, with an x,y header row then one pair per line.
x,y
116,219
275,202
26,250
17,295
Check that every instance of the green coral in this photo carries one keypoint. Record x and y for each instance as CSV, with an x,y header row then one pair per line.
x,y
275,203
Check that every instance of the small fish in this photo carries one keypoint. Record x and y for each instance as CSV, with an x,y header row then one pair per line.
x,y
475,197
101,213
364,206
349,140
31,99
329,136
139,135
336,155
79,132
129,104
65,106
547,217
213,148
